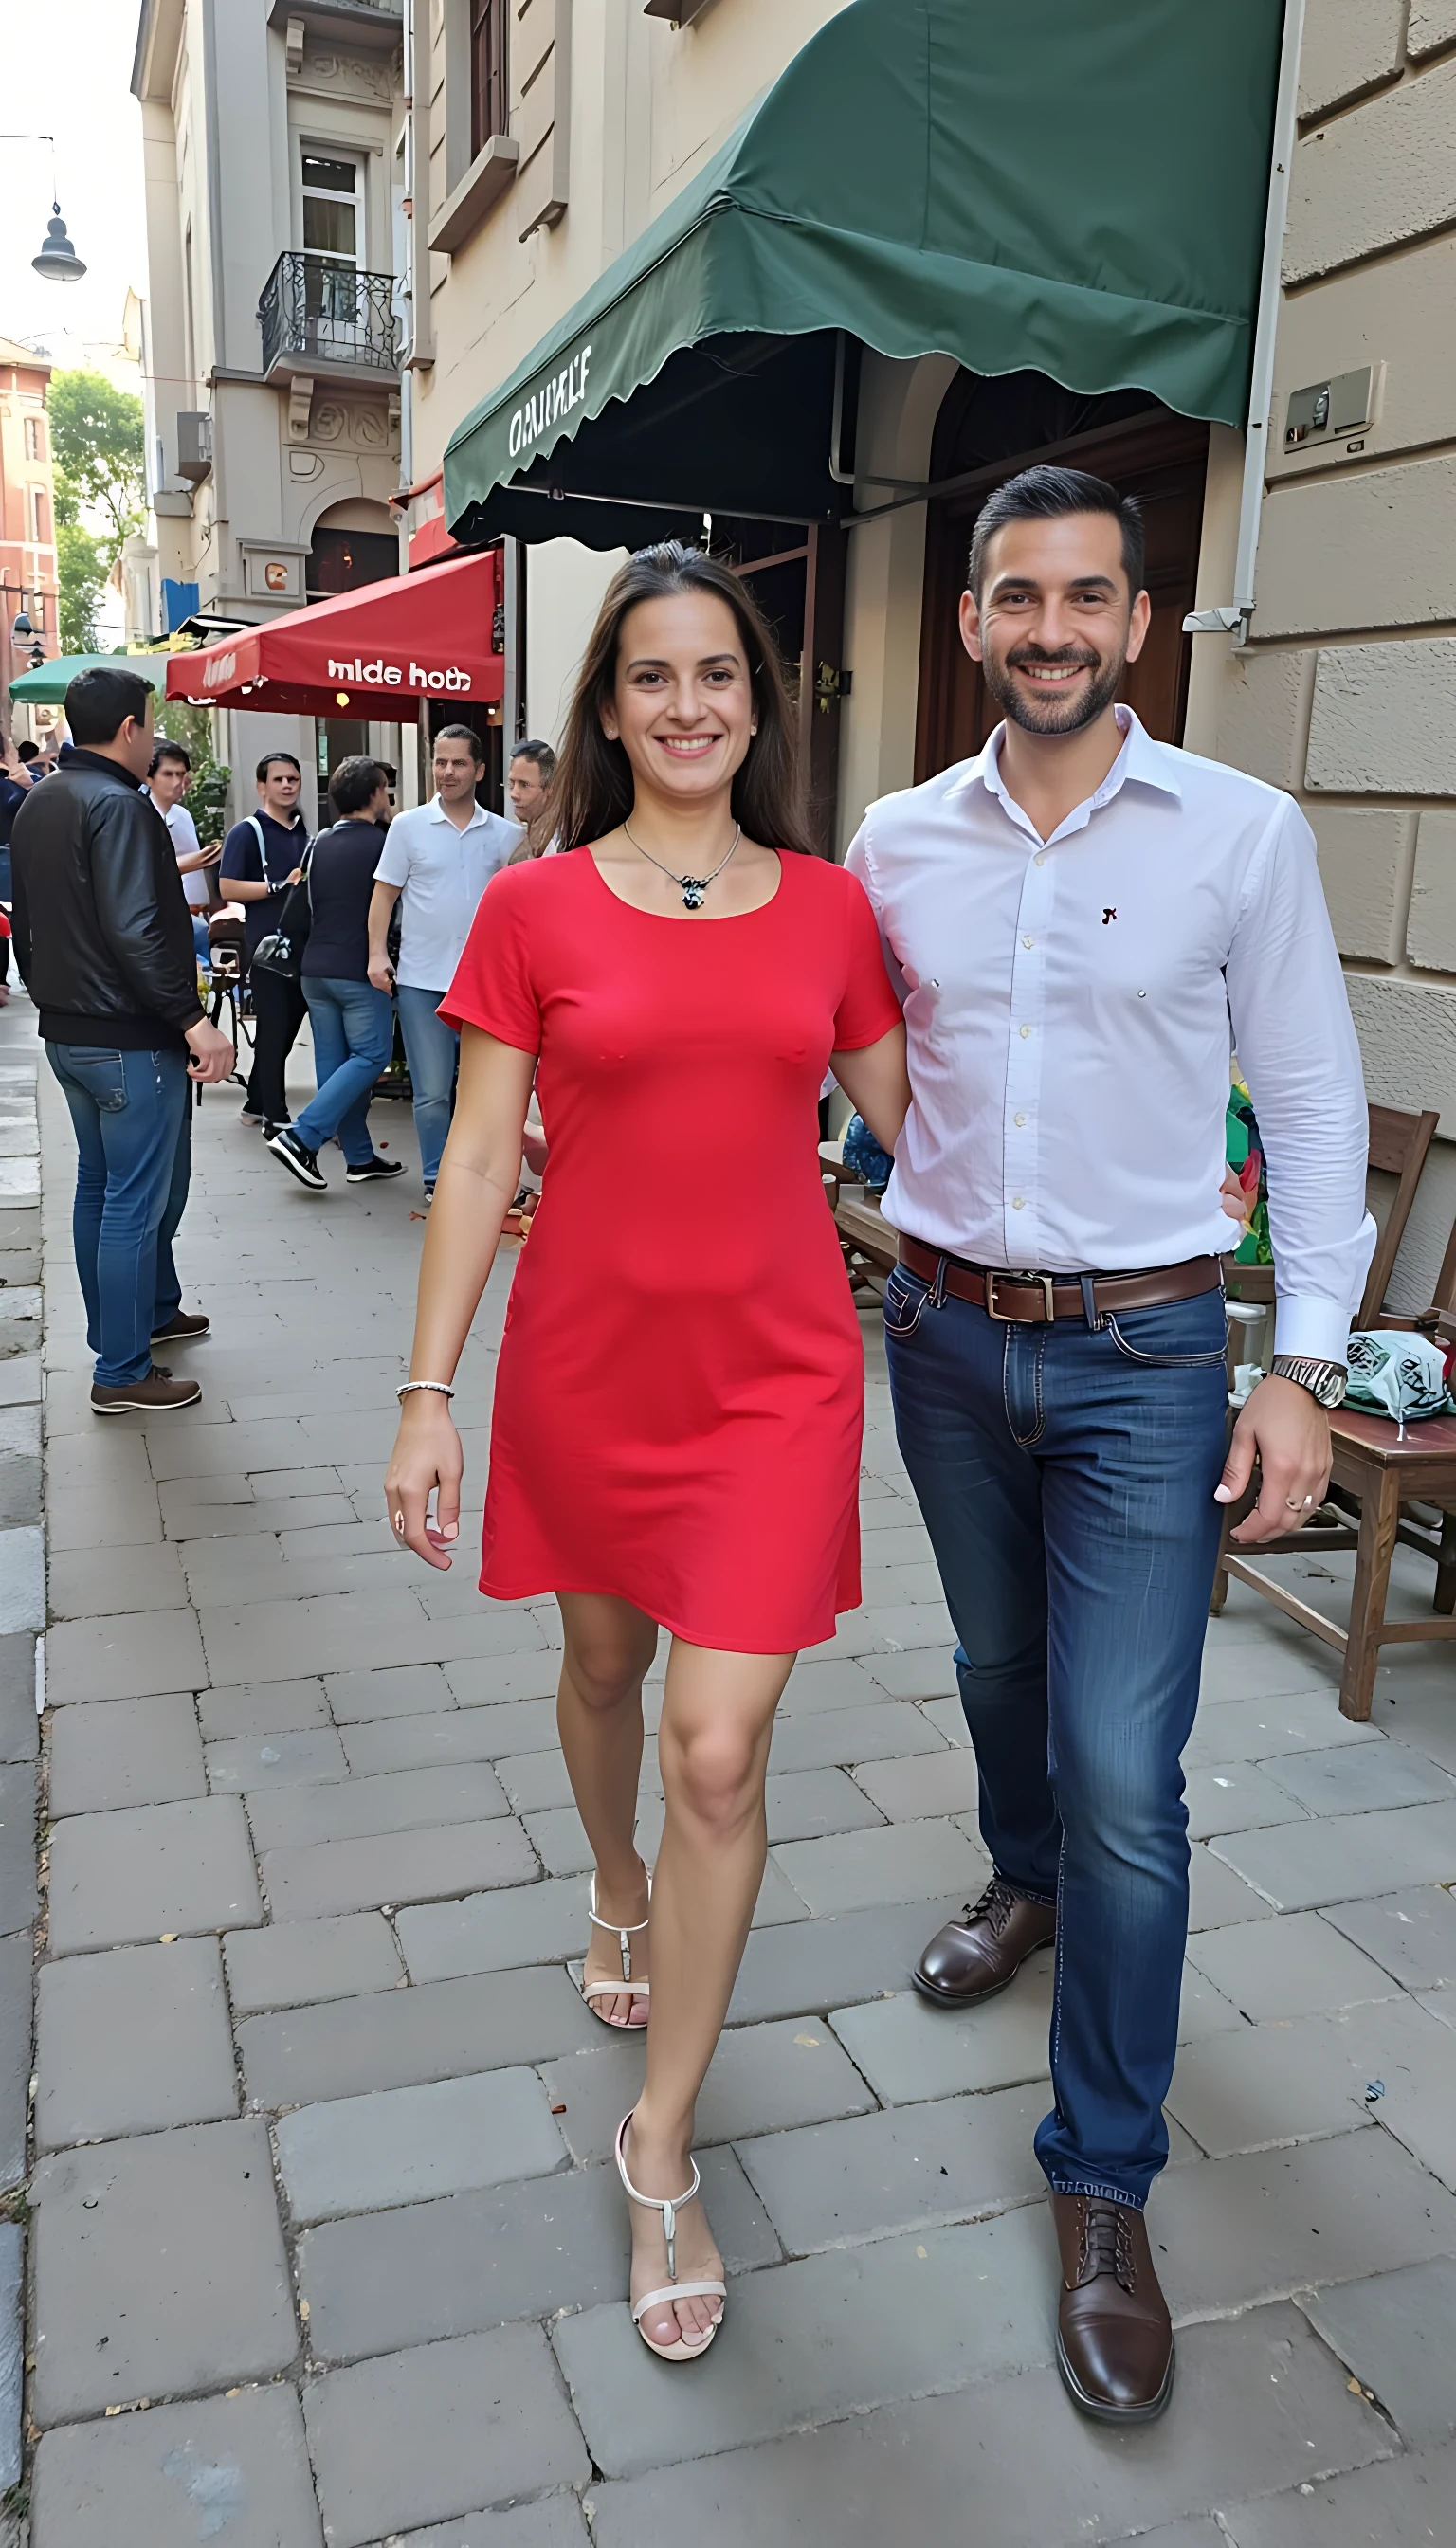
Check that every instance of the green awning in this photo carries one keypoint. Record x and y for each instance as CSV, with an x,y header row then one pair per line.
x,y
46,685
1082,197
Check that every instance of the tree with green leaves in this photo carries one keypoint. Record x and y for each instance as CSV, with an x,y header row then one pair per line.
x,y
82,571
98,436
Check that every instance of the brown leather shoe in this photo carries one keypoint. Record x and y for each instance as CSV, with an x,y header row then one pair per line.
x,y
184,1328
156,1394
1114,2335
973,1958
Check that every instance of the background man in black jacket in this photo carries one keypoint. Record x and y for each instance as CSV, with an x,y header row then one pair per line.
x,y
104,944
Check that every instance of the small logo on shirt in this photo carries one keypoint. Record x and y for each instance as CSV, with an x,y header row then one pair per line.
x,y
1109,914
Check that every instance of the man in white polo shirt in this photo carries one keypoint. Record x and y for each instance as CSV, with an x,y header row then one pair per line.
x,y
439,857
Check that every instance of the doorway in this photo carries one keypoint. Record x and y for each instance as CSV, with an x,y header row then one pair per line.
x,y
985,432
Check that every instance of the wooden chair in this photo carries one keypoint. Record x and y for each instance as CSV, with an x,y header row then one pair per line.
x,y
1383,1471
865,1232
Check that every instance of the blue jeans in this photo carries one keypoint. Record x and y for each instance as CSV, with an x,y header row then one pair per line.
x,y
201,944
132,1117
1066,1476
433,1050
353,1033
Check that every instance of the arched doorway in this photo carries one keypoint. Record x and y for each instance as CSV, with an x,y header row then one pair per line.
x,y
984,431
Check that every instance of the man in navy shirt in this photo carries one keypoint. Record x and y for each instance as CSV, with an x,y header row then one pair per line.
x,y
262,858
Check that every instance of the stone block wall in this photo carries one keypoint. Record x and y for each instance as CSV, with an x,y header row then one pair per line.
x,y
1346,691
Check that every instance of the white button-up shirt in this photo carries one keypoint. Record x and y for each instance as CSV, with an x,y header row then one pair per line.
x,y
1068,1007
441,871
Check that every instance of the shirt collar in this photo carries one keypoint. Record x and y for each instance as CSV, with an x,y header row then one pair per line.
x,y
103,760
296,824
437,814
1148,764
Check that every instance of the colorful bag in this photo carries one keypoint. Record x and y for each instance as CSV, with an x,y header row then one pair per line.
x,y
1395,1373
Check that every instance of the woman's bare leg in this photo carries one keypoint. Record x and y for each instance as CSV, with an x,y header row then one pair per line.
x,y
610,1646
714,1751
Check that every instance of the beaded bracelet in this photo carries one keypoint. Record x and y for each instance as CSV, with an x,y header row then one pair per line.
x,y
443,1386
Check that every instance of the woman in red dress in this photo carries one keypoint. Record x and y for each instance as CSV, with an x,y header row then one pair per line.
x,y
676,1423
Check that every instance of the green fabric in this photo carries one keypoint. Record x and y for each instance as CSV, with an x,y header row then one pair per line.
x,y
47,685
1085,199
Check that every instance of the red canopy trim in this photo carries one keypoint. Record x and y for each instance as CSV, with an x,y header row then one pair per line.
x,y
374,653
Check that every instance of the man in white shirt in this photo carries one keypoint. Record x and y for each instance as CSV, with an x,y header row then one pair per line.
x,y
439,857
1075,915
167,783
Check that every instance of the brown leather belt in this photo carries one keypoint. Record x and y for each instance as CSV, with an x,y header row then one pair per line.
x,y
1032,1300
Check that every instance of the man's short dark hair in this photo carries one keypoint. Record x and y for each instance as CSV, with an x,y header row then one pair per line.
x,y
266,764
164,751
97,702
542,755
464,734
1040,495
28,751
355,782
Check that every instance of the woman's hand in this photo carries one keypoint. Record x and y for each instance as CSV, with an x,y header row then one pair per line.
x,y
1237,1205
427,1459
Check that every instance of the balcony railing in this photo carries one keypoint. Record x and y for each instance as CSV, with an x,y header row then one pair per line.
x,y
320,310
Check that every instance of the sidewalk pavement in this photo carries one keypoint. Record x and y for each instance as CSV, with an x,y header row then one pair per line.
x,y
326,2245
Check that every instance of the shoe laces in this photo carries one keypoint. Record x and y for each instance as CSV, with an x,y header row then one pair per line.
x,y
995,1907
1107,2243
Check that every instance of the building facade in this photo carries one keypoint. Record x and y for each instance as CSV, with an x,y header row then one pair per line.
x,y
273,323
29,583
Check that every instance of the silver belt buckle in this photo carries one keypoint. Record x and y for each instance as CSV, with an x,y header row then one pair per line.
x,y
1024,1275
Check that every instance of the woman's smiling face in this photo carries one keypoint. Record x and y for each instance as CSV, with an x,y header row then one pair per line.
x,y
683,704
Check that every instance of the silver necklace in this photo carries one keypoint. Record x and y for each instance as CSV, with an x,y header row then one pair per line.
x,y
693,888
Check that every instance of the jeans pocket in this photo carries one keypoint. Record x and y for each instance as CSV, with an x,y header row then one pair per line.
x,y
101,1073
905,1297
1174,1336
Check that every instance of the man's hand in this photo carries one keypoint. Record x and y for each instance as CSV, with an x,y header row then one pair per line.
x,y
212,1055
381,972
1284,1428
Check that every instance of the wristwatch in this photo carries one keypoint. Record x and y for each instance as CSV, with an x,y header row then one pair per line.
x,y
1324,1380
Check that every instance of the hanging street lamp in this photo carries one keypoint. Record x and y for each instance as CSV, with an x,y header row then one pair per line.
x,y
57,260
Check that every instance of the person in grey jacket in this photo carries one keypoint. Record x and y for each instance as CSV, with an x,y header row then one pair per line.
x,y
104,945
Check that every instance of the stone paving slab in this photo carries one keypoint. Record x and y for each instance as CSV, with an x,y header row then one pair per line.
x,y
132,2042
120,1878
295,1814
234,2468
19,1732
17,1846
1239,2231
909,2050
822,1964
310,1959
448,1735
455,2267
1350,1781
879,2175
1401,2504
426,1866
1397,2333
158,2268
402,2039
1293,1969
477,2419
760,2077
552,2521
250,1712
128,1656
900,1863
254,1765
1262,2400
409,2145
1411,1934
1301,2079
15,2054
113,1752
1298,1866
806,2344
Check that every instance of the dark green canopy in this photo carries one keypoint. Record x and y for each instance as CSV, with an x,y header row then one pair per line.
x,y
1080,193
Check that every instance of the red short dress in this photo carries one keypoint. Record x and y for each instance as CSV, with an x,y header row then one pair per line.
x,y
680,1391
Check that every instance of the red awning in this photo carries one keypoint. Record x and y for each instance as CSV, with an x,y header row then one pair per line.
x,y
374,653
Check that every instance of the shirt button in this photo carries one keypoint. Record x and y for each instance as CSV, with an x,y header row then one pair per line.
x,y
1020,1119
1018,1203
1029,941
1041,859
1024,1032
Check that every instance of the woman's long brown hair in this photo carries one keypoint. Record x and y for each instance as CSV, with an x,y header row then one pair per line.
x,y
593,789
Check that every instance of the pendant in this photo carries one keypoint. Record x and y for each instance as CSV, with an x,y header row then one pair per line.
x,y
694,891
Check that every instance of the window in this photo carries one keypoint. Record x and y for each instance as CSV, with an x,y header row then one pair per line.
x,y
488,105
38,508
333,237
35,438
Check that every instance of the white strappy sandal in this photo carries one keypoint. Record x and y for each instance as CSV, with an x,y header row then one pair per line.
x,y
592,1991
671,2289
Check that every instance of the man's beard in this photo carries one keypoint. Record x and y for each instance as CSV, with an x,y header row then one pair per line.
x,y
1057,714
